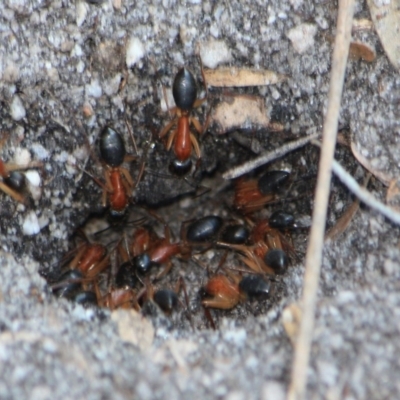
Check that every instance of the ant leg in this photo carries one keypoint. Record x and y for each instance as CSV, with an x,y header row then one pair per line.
x,y
171,139
128,178
164,271
75,261
99,267
181,284
16,167
222,261
173,110
196,146
130,133
209,318
197,125
99,297
167,128
11,192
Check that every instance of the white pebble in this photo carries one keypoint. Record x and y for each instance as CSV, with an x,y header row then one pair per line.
x,y
214,52
236,336
94,89
31,224
33,177
39,151
273,390
134,51
302,37
81,11
17,109
296,3
22,157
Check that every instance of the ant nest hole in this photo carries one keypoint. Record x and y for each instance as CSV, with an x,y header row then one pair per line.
x,y
153,263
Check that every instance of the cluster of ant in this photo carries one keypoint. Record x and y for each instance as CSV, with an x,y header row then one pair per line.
x,y
145,259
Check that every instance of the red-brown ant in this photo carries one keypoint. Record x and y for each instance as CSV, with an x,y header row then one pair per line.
x,y
90,260
166,299
226,291
118,184
185,95
120,298
252,195
269,248
149,250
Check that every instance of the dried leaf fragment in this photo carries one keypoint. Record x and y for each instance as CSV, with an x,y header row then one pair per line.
x,y
344,221
240,112
386,18
291,317
362,24
240,77
393,194
383,176
134,328
362,50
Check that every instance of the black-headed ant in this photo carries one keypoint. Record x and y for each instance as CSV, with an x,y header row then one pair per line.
x,y
119,184
252,195
268,249
185,95
149,250
226,291
91,259
235,234
68,284
165,298
204,229
119,298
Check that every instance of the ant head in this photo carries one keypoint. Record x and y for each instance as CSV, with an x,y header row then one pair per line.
x,y
235,234
255,286
166,299
142,263
184,89
277,260
16,180
281,220
272,181
180,168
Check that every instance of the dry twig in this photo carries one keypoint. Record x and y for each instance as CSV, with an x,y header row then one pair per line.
x,y
267,157
314,252
363,194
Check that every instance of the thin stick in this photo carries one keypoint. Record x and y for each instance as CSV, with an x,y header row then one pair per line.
x,y
297,386
363,194
267,157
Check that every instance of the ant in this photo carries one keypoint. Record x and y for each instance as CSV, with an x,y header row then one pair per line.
x,y
185,95
235,234
166,299
268,252
91,260
149,250
119,298
252,195
13,180
118,184
226,291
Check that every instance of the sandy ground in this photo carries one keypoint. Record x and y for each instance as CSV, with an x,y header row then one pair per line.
x,y
61,68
